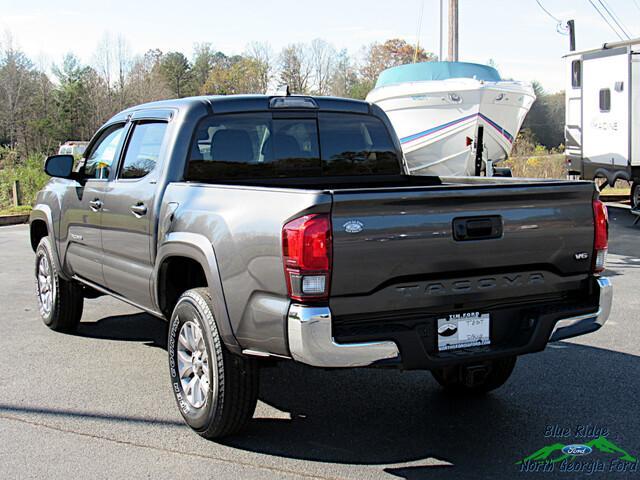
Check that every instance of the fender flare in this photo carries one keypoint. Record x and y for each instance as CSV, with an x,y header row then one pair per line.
x,y
197,247
42,212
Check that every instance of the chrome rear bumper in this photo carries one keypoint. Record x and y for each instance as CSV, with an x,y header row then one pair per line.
x,y
574,326
311,342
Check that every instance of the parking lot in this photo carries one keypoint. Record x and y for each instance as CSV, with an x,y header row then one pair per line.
x,y
98,404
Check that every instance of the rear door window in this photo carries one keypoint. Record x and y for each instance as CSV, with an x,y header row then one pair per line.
x,y
143,150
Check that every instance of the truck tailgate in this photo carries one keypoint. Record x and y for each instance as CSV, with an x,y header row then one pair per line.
x,y
455,244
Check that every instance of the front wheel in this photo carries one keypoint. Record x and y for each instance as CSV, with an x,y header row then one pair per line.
x,y
60,302
475,379
215,390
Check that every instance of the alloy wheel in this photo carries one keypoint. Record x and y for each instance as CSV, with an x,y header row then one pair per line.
x,y
193,364
45,285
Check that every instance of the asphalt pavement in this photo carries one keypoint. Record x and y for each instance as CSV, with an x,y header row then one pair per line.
x,y
97,404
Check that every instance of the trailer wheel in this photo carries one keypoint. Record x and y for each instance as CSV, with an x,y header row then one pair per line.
x,y
635,195
475,379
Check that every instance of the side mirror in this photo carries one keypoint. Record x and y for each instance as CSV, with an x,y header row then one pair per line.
x,y
59,166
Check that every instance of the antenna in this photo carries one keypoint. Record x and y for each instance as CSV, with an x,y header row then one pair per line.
x,y
415,55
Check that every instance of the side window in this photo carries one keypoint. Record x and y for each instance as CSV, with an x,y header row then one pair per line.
x,y
605,100
100,159
576,73
143,150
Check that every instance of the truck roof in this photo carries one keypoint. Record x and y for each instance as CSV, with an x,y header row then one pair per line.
x,y
248,103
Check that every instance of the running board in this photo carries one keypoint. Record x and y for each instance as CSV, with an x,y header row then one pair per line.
x,y
106,291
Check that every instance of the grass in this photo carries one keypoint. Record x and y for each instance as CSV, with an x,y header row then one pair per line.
x,y
553,166
21,210
29,172
539,166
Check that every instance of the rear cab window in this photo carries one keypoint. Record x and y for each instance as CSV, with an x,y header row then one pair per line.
x,y
263,145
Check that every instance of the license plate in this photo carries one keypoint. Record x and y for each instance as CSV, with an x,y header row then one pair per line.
x,y
463,330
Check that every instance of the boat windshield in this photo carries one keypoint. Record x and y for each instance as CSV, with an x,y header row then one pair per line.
x,y
418,72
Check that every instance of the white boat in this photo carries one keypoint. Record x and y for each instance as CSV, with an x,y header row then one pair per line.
x,y
450,114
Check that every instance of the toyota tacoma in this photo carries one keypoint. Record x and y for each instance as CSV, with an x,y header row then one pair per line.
x,y
286,227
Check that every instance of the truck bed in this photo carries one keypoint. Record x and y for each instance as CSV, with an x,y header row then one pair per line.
x,y
404,261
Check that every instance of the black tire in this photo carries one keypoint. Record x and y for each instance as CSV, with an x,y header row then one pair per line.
x,y
634,195
233,380
453,379
64,310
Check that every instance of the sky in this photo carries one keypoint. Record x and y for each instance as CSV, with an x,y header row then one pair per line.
x,y
516,34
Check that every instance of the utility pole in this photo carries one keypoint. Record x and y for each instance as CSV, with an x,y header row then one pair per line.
x,y
453,30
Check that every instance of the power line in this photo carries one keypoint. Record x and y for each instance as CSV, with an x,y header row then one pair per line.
x,y
615,18
548,12
605,19
560,25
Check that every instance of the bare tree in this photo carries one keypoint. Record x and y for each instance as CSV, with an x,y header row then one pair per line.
x,y
103,65
323,62
262,53
15,74
146,83
345,76
123,61
112,62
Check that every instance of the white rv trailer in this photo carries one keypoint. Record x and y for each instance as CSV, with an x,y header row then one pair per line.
x,y
602,119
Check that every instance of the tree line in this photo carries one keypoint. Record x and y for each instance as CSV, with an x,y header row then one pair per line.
x,y
42,106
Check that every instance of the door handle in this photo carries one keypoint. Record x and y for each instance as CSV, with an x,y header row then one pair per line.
x,y
139,209
95,204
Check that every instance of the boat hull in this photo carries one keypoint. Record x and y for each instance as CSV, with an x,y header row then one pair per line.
x,y
438,121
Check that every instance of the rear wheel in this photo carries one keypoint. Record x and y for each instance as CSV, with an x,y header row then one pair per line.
x,y
215,390
475,379
60,301
635,195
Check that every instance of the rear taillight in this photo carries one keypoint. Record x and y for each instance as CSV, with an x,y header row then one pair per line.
x,y
601,238
306,249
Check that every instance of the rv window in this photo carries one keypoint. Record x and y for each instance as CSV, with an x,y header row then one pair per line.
x,y
576,74
605,100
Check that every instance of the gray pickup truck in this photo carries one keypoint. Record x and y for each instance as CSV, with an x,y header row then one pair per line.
x,y
286,227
